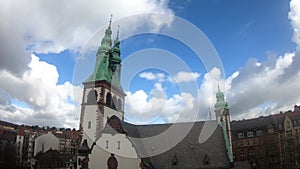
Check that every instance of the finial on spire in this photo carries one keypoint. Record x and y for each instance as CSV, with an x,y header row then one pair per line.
x,y
118,31
111,15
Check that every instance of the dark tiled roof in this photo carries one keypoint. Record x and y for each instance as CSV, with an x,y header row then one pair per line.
x,y
189,152
261,122
242,165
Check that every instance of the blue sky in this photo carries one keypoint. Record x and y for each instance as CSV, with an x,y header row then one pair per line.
x,y
256,42
238,30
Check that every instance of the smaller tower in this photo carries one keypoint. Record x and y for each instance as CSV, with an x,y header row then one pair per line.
x,y
223,118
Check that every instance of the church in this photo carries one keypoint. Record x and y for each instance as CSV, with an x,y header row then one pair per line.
x,y
108,142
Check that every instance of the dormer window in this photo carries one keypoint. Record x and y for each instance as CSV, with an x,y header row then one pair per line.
x,y
174,161
250,134
241,135
206,160
270,130
258,133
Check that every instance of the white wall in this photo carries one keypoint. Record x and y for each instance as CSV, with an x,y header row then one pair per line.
x,y
45,142
100,154
117,144
90,115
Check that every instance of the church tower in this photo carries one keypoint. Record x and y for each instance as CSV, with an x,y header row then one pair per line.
x,y
103,96
223,119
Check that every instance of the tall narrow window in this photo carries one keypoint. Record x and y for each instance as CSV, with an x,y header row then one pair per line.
x,y
115,101
174,161
242,153
119,104
108,99
106,146
288,125
89,124
119,144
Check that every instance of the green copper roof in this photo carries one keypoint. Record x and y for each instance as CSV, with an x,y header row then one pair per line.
x,y
221,103
229,153
108,61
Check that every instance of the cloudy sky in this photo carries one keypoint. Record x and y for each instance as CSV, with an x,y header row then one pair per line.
x,y
258,43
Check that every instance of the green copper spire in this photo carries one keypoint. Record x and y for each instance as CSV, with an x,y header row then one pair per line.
x,y
227,142
115,62
108,60
221,103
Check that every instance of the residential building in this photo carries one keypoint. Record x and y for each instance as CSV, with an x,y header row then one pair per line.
x,y
54,159
268,142
256,141
288,126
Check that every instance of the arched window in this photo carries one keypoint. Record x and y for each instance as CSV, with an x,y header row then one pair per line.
x,y
119,104
108,99
112,162
92,97
114,103
174,161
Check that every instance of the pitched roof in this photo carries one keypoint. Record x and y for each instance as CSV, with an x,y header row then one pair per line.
x,y
189,152
261,122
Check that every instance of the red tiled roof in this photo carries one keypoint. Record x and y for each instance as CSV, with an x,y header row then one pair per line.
x,y
287,113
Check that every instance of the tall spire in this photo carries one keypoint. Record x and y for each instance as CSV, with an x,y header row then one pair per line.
x,y
111,15
108,60
118,32
117,42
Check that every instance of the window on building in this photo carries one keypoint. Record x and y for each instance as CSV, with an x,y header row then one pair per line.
x,y
92,97
250,134
258,133
108,99
119,144
89,124
106,146
242,153
251,152
240,135
119,104
115,101
242,144
174,161
280,126
271,130
288,125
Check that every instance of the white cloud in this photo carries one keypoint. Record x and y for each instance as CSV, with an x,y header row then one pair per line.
x,y
51,27
294,16
258,90
160,77
54,26
177,108
48,103
184,77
